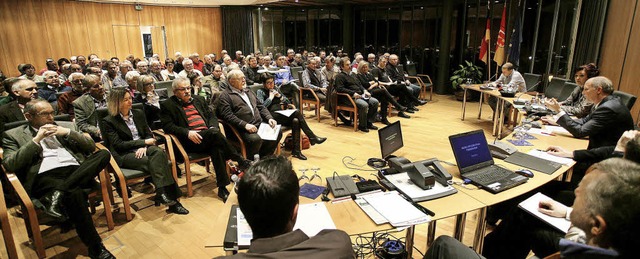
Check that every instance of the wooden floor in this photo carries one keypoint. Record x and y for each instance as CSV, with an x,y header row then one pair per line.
x,y
154,234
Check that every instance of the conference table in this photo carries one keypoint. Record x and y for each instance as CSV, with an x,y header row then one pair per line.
x,y
348,216
498,118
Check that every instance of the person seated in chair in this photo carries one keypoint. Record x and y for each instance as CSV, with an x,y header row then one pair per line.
x,y
268,196
366,104
65,101
379,91
251,71
53,87
398,90
313,78
54,165
240,108
576,103
150,100
24,91
86,105
510,78
188,118
286,82
133,146
274,101
398,77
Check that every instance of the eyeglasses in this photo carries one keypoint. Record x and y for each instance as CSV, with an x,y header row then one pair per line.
x,y
51,77
30,89
184,88
45,114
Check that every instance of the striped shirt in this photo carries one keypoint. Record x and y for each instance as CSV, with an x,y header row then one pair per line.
x,y
194,120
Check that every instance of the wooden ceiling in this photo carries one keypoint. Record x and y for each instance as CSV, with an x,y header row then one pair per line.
x,y
309,3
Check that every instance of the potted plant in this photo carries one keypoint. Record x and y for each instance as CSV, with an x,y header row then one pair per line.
x,y
462,76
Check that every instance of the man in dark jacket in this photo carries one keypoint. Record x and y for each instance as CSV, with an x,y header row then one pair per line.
x,y
366,104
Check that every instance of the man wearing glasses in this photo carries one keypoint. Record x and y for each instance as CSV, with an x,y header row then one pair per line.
x,y
66,99
24,90
86,105
49,91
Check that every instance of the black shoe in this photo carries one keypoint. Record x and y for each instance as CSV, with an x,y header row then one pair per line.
x,y
401,108
53,202
100,252
385,121
403,115
421,102
371,126
415,109
298,155
223,193
162,198
363,129
178,209
178,171
410,110
117,187
317,140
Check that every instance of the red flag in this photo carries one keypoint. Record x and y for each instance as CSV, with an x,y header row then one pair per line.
x,y
499,56
484,47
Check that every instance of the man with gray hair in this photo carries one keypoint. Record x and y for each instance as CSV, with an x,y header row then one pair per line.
x,y
313,78
188,68
49,91
297,61
24,91
86,105
156,69
142,67
178,67
189,118
197,64
111,79
66,99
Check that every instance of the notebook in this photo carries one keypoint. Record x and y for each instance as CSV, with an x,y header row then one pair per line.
x,y
476,164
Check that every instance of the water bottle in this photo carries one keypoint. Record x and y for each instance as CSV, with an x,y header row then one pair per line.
x,y
256,158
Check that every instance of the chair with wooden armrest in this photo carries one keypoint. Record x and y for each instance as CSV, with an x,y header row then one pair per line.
x,y
312,98
233,136
30,213
189,158
7,234
350,107
423,80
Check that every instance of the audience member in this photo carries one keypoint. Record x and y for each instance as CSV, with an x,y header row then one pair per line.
x,y
150,99
51,65
125,67
330,70
268,196
111,79
378,91
197,64
24,91
168,73
251,71
297,61
179,59
274,101
85,107
208,65
366,104
313,78
188,67
156,71
29,72
77,89
49,91
82,61
241,109
142,67
192,122
399,90
289,58
285,80
55,164
133,146
398,77
6,95
64,75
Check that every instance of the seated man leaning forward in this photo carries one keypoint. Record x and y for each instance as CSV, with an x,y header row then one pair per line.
x,y
268,197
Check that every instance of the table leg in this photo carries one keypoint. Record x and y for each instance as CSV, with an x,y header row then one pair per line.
x,y
409,238
459,227
480,108
496,116
501,117
464,103
481,227
431,233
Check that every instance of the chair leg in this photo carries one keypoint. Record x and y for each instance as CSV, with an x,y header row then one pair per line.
x,y
355,120
6,229
106,202
33,229
187,171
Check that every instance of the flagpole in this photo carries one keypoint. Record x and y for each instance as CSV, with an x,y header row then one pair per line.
x,y
489,42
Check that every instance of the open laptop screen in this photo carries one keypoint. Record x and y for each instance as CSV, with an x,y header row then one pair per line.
x,y
471,150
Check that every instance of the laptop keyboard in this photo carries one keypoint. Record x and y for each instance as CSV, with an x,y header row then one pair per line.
x,y
491,175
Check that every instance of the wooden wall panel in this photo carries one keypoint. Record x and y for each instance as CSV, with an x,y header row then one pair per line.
x,y
614,42
33,30
630,78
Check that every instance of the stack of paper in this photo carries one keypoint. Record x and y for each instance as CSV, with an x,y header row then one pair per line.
x,y
547,156
415,193
532,204
312,218
396,210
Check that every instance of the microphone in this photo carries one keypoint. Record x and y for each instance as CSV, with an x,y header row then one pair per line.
x,y
235,179
517,100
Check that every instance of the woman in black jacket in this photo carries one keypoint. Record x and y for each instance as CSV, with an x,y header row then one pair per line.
x,y
133,146
275,101
379,92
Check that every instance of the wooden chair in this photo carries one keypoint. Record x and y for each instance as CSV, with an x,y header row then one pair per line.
x,y
7,234
30,215
189,158
351,108
312,100
418,78
234,137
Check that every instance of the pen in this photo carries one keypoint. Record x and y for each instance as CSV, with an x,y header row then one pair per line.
x,y
418,206
547,133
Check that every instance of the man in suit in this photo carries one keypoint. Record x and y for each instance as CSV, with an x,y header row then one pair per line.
x,y
24,90
241,109
367,105
398,77
86,105
313,78
65,101
268,197
190,119
54,164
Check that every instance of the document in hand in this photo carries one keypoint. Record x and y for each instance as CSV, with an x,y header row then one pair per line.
x,y
398,211
266,132
287,112
312,218
531,205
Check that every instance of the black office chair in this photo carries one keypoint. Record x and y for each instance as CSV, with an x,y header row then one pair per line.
x,y
554,89
567,89
625,98
532,81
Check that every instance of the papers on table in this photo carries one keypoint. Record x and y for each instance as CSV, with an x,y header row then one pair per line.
x,y
312,218
531,205
414,192
540,132
558,130
550,157
396,210
287,112
266,132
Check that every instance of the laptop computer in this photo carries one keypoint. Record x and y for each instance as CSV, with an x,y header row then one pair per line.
x,y
476,164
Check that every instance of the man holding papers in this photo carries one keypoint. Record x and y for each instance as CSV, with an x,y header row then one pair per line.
x,y
285,113
606,208
268,197
241,109
192,122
